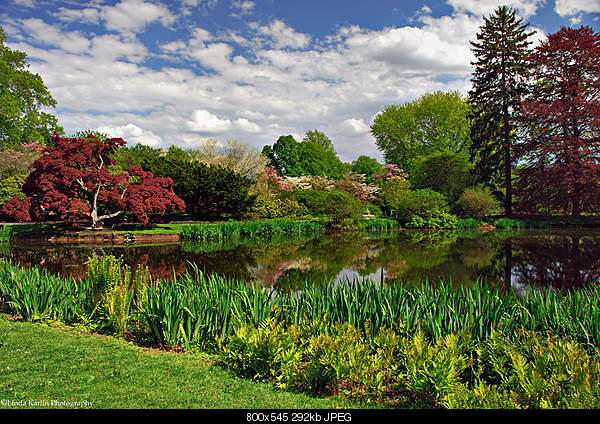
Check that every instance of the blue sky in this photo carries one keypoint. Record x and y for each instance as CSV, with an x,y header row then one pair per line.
x,y
180,72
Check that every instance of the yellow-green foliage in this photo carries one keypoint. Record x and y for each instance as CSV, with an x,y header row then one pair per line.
x,y
392,368
266,206
116,288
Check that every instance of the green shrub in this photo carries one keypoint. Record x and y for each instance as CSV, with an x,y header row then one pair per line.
x,y
424,203
344,210
11,186
435,220
314,200
209,192
448,173
467,223
274,207
478,202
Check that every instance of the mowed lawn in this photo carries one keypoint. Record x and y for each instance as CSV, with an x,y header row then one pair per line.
x,y
41,363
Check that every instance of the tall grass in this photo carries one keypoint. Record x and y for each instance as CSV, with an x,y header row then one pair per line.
x,y
196,308
506,223
380,224
229,229
38,295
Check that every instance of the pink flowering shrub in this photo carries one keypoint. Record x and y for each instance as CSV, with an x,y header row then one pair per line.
x,y
274,180
391,172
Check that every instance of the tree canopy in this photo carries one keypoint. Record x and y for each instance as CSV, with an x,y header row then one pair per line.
x,y
435,122
22,97
367,166
561,120
72,181
499,81
209,192
314,155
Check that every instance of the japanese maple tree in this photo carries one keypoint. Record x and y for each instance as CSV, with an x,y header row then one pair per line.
x,y
561,144
73,180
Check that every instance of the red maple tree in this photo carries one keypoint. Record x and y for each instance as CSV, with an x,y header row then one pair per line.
x,y
73,181
561,122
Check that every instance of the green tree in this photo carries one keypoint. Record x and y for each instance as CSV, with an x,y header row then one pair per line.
x,y
448,173
136,155
366,166
284,156
435,122
318,160
319,138
22,95
499,79
314,155
209,192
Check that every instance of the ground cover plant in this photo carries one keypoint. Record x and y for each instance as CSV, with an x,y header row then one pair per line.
x,y
432,346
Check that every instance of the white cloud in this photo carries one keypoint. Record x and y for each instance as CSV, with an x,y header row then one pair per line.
x,y
284,36
355,126
247,126
88,14
127,16
567,8
205,122
242,7
281,82
41,32
525,8
25,3
132,134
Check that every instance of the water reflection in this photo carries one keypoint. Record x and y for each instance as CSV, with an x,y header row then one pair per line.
x,y
558,259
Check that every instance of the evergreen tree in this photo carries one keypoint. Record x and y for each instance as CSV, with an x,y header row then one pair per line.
x,y
499,81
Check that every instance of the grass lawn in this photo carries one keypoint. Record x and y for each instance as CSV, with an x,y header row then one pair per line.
x,y
44,363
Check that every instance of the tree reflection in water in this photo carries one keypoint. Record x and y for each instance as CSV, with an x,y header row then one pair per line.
x,y
567,259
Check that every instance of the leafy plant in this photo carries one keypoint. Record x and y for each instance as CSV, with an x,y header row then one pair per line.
x,y
478,202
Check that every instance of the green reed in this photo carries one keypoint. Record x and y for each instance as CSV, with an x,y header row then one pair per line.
x,y
196,308
208,305
38,295
380,224
223,230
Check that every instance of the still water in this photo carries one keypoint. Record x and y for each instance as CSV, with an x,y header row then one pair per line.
x,y
517,259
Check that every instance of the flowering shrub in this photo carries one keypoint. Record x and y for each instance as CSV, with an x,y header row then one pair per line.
x,y
391,172
352,185
275,181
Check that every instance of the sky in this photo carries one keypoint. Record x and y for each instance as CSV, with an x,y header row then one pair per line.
x,y
179,72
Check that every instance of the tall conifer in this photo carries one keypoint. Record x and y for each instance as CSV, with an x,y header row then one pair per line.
x,y
499,80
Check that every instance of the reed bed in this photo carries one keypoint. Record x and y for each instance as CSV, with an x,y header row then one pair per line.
x,y
197,308
380,224
231,229
39,295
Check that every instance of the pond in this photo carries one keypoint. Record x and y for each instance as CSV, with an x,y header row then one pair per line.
x,y
518,259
